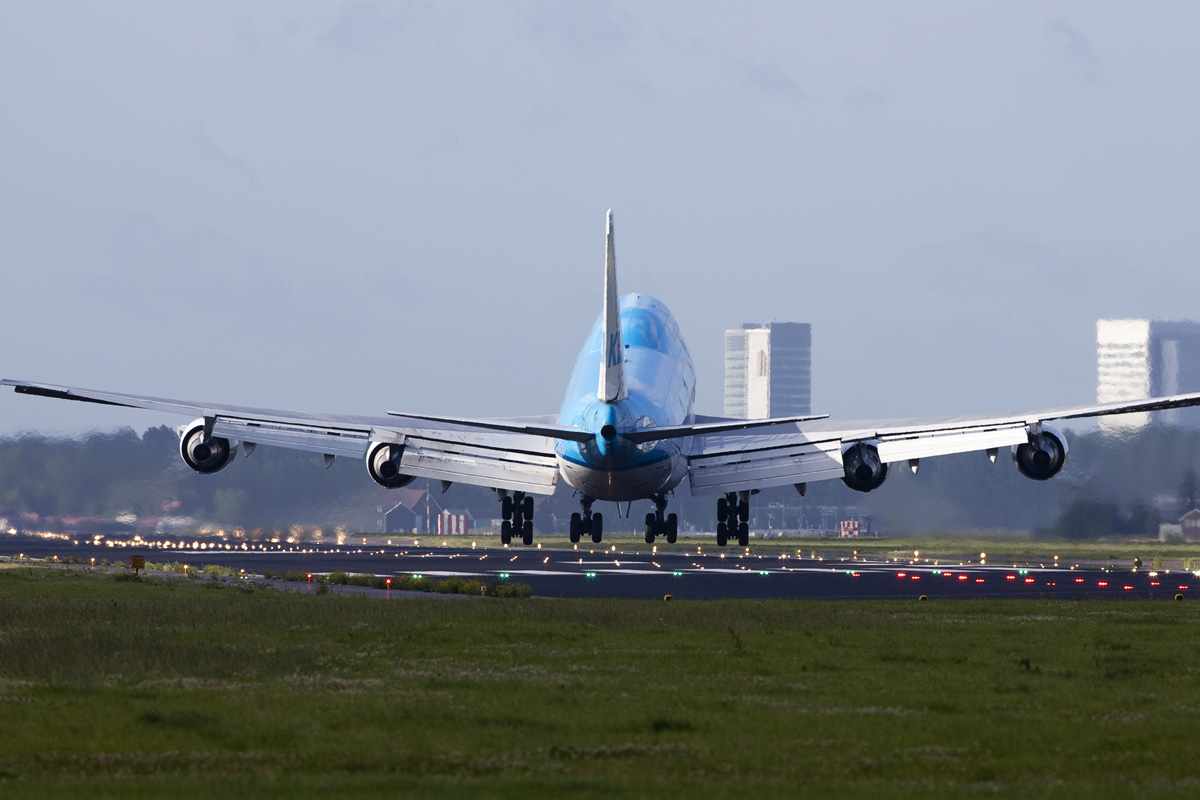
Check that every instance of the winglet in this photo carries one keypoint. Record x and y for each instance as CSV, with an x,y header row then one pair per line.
x,y
612,353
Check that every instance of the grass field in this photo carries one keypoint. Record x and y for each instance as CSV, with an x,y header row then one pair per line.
x,y
114,687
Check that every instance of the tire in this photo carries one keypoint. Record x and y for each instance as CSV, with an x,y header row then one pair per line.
x,y
649,533
743,511
506,507
505,532
527,532
744,534
722,538
597,527
672,528
650,519
527,507
722,509
576,527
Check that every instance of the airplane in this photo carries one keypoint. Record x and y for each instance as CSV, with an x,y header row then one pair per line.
x,y
626,431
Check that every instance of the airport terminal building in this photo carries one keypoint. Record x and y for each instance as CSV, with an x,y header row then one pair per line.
x,y
768,370
1139,358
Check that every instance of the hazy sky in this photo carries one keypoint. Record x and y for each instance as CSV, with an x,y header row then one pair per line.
x,y
362,206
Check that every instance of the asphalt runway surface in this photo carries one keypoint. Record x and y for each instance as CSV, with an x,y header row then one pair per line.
x,y
637,571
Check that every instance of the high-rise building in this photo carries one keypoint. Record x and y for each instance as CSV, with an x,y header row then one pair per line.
x,y
1139,358
768,370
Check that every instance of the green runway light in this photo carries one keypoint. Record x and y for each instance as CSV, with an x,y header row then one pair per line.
x,y
504,576
677,574
589,574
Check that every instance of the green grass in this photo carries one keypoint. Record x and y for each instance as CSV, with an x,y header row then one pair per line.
x,y
175,688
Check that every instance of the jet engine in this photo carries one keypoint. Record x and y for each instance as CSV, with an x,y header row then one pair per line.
x,y
1042,456
205,457
383,464
864,471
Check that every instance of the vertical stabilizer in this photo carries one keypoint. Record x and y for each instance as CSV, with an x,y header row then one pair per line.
x,y
612,354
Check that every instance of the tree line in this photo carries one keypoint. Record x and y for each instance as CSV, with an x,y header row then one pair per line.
x,y
1110,486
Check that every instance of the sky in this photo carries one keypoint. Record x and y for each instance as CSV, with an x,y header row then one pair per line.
x,y
368,206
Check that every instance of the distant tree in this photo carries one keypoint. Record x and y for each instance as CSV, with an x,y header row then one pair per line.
x,y
1088,518
1189,490
1140,520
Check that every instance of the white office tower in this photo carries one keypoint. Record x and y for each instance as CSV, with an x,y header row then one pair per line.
x,y
1139,358
768,370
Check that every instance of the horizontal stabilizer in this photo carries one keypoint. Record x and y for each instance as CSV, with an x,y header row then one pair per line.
x,y
551,431
676,431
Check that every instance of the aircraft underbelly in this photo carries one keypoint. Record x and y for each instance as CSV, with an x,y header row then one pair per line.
x,y
633,483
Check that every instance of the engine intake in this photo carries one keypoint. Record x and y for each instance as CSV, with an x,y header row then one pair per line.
x,y
864,471
383,464
1043,456
205,457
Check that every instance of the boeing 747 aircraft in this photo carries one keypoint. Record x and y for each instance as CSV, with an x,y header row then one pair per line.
x,y
626,431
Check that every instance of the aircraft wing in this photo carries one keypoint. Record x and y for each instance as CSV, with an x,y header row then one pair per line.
x,y
804,453
501,454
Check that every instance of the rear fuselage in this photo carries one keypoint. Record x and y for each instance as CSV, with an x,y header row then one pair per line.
x,y
660,390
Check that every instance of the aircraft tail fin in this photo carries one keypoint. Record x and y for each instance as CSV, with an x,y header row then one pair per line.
x,y
612,352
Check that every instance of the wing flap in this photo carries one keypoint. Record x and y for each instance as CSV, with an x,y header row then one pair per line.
x,y
764,468
459,463
944,443
326,441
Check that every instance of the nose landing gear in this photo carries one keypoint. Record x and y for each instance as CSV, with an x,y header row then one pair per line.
x,y
658,524
587,523
733,518
516,513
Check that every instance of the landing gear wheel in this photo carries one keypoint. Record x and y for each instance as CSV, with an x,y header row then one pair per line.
x,y
743,534
506,507
527,532
672,528
527,507
505,532
722,509
722,535
650,529
597,527
743,511
576,527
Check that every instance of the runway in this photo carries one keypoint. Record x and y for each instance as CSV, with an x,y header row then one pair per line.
x,y
628,570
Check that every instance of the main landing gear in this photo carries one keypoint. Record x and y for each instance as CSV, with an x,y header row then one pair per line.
x,y
587,522
733,518
659,525
516,512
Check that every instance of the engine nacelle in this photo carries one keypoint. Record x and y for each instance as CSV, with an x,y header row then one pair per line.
x,y
205,457
864,471
1043,456
383,464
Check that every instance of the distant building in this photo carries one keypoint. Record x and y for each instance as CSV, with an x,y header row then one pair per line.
x,y
454,522
768,370
1187,529
1189,524
1139,358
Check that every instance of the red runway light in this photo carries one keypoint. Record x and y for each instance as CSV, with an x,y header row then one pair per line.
x,y
1010,577
855,574
1183,587
979,580
902,575
1127,587
1155,583
1102,584
1052,584
1031,580
915,578
1079,580
963,577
